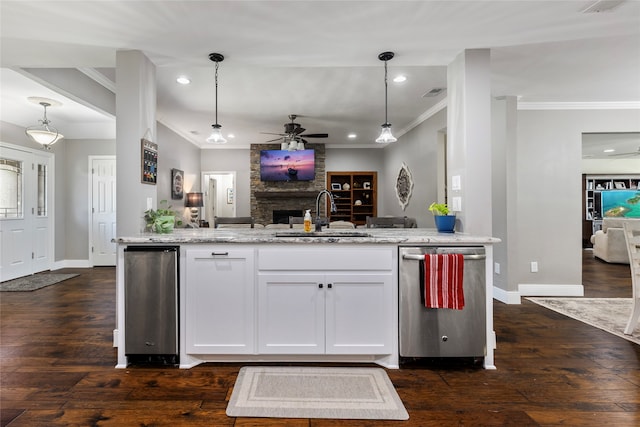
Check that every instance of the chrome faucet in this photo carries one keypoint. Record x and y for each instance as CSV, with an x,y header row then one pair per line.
x,y
333,207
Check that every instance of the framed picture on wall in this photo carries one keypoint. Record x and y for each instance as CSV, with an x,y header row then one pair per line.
x,y
177,184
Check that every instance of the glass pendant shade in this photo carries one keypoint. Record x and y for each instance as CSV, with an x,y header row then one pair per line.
x,y
45,136
293,145
385,135
43,133
216,136
300,145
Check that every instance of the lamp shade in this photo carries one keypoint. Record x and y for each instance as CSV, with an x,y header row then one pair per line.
x,y
193,200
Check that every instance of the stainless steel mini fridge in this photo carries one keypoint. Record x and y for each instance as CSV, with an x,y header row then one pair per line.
x,y
151,303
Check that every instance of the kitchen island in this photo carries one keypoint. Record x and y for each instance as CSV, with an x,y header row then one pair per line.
x,y
262,295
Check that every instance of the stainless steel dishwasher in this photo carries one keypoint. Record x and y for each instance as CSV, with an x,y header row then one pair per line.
x,y
151,303
439,332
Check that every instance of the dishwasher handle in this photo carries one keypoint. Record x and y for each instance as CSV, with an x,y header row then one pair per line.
x,y
417,257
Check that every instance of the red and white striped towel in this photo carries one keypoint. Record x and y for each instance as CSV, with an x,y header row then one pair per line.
x,y
443,281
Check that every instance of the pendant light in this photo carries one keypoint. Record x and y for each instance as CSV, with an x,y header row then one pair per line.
x,y
43,133
216,136
385,135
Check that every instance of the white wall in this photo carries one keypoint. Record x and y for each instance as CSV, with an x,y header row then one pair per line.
x,y
174,152
232,160
74,193
549,209
417,148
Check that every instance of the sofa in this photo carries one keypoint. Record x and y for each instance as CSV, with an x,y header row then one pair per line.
x,y
609,244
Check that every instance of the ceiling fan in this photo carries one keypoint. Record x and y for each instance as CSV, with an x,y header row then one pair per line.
x,y
293,137
630,153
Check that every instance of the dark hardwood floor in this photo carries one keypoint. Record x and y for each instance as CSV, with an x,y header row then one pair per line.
x,y
57,368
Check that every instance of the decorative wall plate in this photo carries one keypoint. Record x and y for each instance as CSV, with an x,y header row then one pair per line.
x,y
404,185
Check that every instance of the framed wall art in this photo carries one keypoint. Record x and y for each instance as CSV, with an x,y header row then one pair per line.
x,y
177,184
404,185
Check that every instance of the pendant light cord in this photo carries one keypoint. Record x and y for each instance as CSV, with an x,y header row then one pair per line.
x,y
386,119
216,79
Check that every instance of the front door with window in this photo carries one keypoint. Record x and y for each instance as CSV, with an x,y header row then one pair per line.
x,y
26,201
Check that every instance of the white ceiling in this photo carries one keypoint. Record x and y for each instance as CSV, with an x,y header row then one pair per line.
x,y
317,59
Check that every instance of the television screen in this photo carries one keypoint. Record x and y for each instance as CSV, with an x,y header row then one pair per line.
x,y
283,165
621,203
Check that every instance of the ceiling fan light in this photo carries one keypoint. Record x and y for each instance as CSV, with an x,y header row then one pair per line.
x,y
284,145
385,135
300,145
216,136
293,145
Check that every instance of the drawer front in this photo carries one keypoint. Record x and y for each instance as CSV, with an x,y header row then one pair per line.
x,y
356,258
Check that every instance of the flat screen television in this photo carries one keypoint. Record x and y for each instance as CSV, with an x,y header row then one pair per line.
x,y
621,203
283,165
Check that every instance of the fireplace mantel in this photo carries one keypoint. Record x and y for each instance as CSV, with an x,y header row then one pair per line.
x,y
285,194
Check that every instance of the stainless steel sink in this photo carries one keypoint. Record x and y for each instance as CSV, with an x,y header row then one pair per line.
x,y
322,234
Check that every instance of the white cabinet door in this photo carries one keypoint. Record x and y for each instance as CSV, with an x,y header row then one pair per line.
x,y
325,314
290,314
220,296
359,316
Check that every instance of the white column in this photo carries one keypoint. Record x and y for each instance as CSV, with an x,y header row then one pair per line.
x,y
135,118
469,139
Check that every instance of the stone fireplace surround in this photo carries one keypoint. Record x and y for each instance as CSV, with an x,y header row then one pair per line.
x,y
284,195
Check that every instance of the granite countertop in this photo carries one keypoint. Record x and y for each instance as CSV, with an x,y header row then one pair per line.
x,y
350,236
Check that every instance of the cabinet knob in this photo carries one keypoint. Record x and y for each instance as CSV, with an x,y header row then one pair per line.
x,y
219,253
329,286
320,285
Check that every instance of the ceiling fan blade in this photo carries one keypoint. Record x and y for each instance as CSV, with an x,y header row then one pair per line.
x,y
631,153
316,135
298,130
271,133
273,140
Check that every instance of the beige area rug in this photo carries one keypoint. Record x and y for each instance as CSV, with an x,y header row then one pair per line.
x,y
315,392
608,314
34,282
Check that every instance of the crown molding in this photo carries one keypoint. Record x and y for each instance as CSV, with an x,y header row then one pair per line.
x,y
616,105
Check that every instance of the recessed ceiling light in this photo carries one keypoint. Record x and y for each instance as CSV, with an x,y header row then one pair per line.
x,y
609,150
183,80
400,78
231,135
352,136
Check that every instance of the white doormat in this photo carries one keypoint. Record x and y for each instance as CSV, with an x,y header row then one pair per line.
x,y
315,392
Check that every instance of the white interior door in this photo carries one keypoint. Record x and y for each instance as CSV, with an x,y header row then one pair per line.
x,y
26,211
211,202
103,210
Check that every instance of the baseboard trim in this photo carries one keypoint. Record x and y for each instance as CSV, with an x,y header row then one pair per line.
x,y
539,290
507,297
71,263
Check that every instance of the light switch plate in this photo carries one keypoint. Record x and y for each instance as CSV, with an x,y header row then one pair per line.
x,y
149,203
455,183
456,206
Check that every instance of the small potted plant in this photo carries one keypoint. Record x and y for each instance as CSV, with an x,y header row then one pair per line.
x,y
161,220
444,219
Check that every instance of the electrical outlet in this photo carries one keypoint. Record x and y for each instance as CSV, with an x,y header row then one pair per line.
x,y
534,266
496,268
